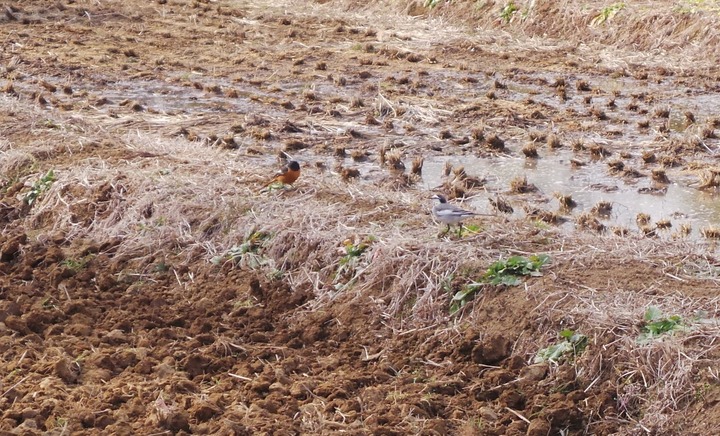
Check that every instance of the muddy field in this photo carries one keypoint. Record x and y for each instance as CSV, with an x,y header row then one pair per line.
x,y
150,284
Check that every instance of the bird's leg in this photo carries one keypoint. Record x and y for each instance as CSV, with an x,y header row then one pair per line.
x,y
460,228
445,232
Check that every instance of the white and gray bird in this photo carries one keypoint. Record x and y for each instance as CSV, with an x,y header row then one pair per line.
x,y
449,214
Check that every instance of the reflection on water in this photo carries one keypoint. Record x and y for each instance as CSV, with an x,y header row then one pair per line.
x,y
588,185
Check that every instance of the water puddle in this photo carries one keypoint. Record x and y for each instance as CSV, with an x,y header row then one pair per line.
x,y
588,185
174,99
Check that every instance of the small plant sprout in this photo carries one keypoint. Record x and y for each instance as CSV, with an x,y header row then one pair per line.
x,y
352,249
656,324
607,13
39,187
431,3
247,253
471,228
74,264
508,11
572,344
464,295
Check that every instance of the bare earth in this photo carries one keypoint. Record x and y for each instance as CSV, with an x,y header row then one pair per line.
x,y
124,311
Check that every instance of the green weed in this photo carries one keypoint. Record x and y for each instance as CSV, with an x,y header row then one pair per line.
x,y
702,390
245,303
74,264
349,263
656,324
51,124
431,3
507,12
572,344
463,296
275,274
355,250
607,13
61,423
509,272
39,187
161,267
48,303
247,253
469,229
503,272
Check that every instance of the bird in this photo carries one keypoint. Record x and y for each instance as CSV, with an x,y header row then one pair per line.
x,y
288,175
449,214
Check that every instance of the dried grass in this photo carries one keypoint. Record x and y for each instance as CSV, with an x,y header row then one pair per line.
x,y
654,380
566,201
409,110
172,196
197,202
665,35
710,178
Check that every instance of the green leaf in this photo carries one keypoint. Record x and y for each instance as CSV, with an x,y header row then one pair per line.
x,y
461,297
566,334
573,344
472,228
502,272
656,324
553,353
652,313
508,280
40,187
508,272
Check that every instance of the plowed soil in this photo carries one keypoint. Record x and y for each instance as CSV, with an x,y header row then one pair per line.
x,y
129,328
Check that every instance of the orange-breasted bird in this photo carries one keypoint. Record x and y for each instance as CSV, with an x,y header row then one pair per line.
x,y
288,174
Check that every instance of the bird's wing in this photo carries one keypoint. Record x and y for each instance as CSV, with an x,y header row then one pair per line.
x,y
282,171
458,211
277,175
452,211
444,212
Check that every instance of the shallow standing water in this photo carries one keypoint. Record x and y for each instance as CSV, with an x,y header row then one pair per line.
x,y
588,185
